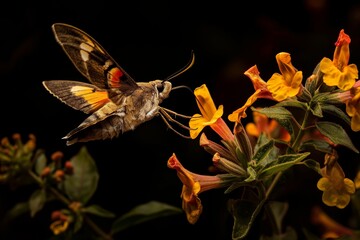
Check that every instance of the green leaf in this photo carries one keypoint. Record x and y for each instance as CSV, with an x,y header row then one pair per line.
x,y
16,211
316,110
287,124
337,112
319,145
263,152
82,184
283,163
244,212
40,163
336,134
292,103
274,112
79,220
252,174
98,211
144,213
312,164
37,201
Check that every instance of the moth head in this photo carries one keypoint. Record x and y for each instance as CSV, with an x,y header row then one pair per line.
x,y
163,87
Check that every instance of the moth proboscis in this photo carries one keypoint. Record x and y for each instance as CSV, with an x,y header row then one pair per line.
x,y
115,102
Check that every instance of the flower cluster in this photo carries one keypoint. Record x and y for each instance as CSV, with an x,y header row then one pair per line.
x,y
252,159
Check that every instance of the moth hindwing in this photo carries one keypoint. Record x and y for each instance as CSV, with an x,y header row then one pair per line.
x,y
114,101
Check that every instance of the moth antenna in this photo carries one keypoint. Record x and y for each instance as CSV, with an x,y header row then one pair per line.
x,y
184,69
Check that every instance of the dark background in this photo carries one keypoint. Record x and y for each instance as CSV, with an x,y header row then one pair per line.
x,y
151,40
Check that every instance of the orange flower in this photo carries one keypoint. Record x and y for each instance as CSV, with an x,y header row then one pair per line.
x,y
261,91
288,83
339,72
336,188
193,185
210,116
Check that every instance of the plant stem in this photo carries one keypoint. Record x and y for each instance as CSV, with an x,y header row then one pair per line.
x,y
295,146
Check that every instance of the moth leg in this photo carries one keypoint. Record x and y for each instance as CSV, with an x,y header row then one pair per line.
x,y
169,126
175,113
166,115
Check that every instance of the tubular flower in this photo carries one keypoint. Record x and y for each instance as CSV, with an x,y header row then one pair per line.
x,y
288,83
336,188
210,116
261,91
337,72
193,185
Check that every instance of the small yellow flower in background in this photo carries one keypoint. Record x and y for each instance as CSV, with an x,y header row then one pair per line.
x,y
261,91
193,185
288,83
336,188
60,222
357,180
337,72
210,116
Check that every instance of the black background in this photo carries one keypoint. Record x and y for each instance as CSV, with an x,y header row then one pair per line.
x,y
151,40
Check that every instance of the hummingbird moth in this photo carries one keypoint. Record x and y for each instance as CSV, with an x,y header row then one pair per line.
x,y
114,101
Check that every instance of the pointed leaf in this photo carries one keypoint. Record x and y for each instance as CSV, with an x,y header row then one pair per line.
x,y
336,134
319,145
37,201
274,112
262,152
312,164
143,213
292,103
316,110
79,220
82,184
16,211
40,163
98,211
287,124
284,162
244,213
337,112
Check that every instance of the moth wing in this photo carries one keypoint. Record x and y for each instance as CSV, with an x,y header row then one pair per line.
x,y
81,96
91,59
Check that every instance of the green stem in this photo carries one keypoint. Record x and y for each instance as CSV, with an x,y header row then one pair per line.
x,y
295,146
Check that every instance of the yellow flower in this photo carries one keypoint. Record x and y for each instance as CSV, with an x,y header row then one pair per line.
x,y
193,185
59,226
336,188
288,83
337,72
210,116
261,91
353,109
